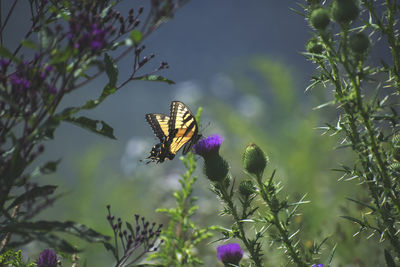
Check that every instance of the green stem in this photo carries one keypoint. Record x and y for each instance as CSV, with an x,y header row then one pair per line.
x,y
271,200
227,199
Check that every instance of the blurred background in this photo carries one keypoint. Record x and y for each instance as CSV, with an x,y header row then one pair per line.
x,y
241,62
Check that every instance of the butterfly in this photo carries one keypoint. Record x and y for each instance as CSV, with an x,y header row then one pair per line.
x,y
178,130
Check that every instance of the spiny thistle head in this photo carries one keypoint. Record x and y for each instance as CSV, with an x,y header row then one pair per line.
x,y
208,146
254,160
246,188
359,43
48,258
320,18
215,167
345,11
314,46
230,254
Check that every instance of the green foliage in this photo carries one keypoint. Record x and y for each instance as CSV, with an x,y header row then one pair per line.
x,y
367,95
182,235
14,259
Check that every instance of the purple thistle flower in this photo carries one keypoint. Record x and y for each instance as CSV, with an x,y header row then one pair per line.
x,y
208,145
230,253
48,258
318,265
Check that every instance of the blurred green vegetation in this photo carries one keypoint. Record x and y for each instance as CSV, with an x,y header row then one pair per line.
x,y
267,107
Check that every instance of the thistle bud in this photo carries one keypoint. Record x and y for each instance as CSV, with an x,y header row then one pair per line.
x,y
359,43
246,188
254,160
344,11
320,18
314,46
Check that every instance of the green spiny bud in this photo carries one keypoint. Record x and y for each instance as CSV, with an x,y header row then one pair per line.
x,y
320,18
396,146
359,43
254,160
246,188
344,11
216,168
314,46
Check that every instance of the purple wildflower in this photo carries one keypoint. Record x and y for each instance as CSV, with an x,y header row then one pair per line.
x,y
4,62
48,258
318,265
230,253
208,145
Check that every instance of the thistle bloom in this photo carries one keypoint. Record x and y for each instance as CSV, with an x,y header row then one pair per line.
x,y
230,253
208,145
318,265
48,258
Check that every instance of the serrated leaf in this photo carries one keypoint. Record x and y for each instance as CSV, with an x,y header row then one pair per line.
x,y
136,36
35,192
29,44
95,126
154,78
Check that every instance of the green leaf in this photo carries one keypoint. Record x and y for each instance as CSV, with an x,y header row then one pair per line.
x,y
96,126
4,52
136,36
111,69
70,227
46,38
35,192
154,78
61,56
29,44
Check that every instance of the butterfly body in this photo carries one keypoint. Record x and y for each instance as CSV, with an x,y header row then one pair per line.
x,y
174,132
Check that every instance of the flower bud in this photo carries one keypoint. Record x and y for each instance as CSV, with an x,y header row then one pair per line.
x,y
314,46
320,18
246,188
344,11
230,254
254,160
359,43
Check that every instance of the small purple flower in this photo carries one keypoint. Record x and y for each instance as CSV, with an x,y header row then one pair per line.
x,y
96,45
49,69
4,62
15,80
230,253
208,145
48,258
318,265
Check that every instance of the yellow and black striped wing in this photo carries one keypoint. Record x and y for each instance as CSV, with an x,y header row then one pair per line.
x,y
160,125
183,128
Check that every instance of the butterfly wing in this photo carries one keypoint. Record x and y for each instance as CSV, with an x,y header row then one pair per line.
x,y
183,128
160,125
